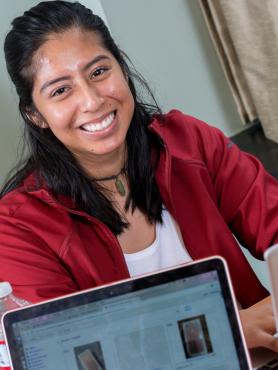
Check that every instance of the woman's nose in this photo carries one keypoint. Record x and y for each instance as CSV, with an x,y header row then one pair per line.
x,y
91,98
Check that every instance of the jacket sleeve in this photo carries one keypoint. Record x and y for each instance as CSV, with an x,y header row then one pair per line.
x,y
26,261
247,195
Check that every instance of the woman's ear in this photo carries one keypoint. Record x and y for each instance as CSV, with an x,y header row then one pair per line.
x,y
35,118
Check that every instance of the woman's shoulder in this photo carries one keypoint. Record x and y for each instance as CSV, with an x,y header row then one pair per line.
x,y
26,197
13,200
177,120
28,209
196,137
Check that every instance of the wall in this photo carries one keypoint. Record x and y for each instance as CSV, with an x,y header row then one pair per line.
x,y
169,43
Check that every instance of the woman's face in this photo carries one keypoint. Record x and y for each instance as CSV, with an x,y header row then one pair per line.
x,y
82,94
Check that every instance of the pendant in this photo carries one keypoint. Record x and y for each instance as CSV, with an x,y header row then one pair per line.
x,y
120,187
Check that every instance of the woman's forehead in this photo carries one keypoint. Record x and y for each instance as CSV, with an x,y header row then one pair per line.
x,y
67,43
70,50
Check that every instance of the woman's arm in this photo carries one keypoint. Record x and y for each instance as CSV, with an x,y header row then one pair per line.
x,y
248,201
247,196
33,267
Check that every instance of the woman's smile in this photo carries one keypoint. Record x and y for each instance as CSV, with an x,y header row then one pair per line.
x,y
100,125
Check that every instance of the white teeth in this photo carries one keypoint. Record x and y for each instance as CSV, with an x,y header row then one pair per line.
x,y
92,127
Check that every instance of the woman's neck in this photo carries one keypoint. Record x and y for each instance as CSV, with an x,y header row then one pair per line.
x,y
102,166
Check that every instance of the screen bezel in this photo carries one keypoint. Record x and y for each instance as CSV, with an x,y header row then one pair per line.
x,y
128,286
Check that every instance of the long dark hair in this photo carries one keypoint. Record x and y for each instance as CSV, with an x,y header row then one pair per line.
x,y
52,163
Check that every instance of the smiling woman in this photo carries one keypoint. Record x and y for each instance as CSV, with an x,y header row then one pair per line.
x,y
78,103
113,188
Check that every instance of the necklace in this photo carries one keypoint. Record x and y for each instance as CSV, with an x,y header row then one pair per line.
x,y
118,182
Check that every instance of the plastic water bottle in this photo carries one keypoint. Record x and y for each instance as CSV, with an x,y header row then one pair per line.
x,y
7,302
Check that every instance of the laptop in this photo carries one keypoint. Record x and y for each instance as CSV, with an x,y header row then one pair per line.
x,y
180,318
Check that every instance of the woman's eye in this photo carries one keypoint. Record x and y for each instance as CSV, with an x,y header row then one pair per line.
x,y
98,72
60,91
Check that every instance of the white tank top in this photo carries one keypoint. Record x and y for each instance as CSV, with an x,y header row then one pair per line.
x,y
166,251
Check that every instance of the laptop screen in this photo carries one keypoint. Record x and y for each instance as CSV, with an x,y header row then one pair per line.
x,y
178,319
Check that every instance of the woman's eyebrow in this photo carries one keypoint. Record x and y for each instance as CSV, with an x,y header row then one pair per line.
x,y
87,66
48,83
95,60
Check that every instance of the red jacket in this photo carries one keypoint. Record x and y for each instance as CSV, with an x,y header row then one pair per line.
x,y
49,248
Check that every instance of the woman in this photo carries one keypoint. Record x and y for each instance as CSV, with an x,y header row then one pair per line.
x,y
111,187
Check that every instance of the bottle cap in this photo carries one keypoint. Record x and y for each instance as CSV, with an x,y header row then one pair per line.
x,y
5,289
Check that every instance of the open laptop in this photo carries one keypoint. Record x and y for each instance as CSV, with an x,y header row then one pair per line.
x,y
180,318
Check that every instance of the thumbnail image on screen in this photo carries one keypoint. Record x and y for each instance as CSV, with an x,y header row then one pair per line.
x,y
89,357
195,336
